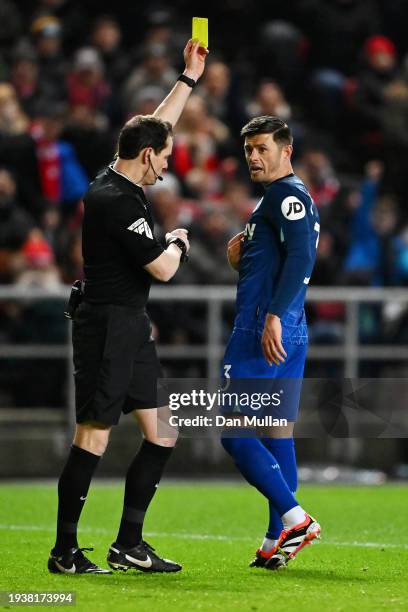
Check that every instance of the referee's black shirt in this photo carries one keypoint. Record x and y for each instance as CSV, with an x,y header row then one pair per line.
x,y
117,241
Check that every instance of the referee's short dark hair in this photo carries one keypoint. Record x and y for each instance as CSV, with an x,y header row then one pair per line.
x,y
140,132
268,124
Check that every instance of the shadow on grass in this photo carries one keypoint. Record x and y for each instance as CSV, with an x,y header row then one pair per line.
x,y
216,581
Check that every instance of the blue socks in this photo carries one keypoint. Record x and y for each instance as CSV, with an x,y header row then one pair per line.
x,y
261,469
283,449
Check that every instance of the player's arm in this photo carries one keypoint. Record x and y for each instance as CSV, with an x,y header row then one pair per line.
x,y
172,106
296,268
295,273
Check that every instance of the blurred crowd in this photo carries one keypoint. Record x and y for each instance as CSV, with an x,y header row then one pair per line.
x,y
337,70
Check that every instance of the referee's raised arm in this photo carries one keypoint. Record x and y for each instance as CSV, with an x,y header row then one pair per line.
x,y
172,106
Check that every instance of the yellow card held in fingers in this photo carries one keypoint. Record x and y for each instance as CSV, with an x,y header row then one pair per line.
x,y
200,31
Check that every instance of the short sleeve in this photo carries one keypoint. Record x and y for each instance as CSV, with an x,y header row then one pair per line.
x,y
129,226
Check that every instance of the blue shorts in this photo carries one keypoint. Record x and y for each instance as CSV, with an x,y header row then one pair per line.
x,y
244,359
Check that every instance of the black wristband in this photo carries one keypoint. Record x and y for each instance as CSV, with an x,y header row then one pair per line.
x,y
185,79
181,245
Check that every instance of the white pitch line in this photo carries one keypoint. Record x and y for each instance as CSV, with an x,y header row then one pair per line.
x,y
200,536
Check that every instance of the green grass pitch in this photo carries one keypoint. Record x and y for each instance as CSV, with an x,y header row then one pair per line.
x,y
213,530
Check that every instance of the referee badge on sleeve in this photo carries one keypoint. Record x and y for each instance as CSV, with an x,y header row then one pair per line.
x,y
141,227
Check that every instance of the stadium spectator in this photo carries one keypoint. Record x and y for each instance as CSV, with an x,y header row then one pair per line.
x,y
24,76
270,100
196,146
63,180
282,51
12,118
375,246
337,30
237,200
208,260
379,71
222,96
74,16
47,36
38,268
394,128
106,38
89,132
11,26
319,177
15,225
86,83
146,100
17,150
155,70
170,209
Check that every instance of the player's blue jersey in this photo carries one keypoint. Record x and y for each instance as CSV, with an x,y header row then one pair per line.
x,y
278,254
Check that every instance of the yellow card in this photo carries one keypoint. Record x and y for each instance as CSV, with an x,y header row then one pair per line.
x,y
200,30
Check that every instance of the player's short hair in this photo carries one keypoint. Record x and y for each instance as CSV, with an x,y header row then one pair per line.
x,y
268,124
140,132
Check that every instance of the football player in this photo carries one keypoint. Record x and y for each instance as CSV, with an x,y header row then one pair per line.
x,y
274,257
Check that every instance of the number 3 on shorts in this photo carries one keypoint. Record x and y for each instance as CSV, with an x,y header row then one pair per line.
x,y
227,367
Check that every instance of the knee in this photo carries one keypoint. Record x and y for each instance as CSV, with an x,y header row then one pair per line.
x,y
92,439
166,442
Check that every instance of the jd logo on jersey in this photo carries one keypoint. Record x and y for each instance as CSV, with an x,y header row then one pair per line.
x,y
293,209
249,230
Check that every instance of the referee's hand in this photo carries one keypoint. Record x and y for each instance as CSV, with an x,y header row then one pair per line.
x,y
194,58
180,233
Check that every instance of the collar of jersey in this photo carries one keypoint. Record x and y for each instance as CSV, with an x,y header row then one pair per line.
x,y
280,179
125,177
131,187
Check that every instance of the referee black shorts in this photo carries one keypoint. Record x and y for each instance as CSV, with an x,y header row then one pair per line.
x,y
116,367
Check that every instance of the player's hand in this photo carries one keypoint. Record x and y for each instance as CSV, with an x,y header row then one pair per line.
x,y
234,250
194,58
179,233
272,340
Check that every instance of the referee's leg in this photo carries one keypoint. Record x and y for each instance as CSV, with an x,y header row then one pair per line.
x,y
143,476
88,446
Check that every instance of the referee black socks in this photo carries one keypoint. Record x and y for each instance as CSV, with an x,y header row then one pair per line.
x,y
73,488
142,479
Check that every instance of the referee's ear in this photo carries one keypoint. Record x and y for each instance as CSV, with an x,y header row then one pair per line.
x,y
147,154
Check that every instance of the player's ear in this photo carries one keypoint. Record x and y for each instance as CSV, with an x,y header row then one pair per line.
x,y
287,151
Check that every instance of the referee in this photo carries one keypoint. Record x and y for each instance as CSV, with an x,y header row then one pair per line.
x,y
115,360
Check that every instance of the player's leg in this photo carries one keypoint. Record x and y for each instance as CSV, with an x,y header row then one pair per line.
x,y
89,444
130,551
244,360
262,470
279,441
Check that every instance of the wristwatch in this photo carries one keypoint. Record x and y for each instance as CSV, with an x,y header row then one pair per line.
x,y
181,245
185,79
